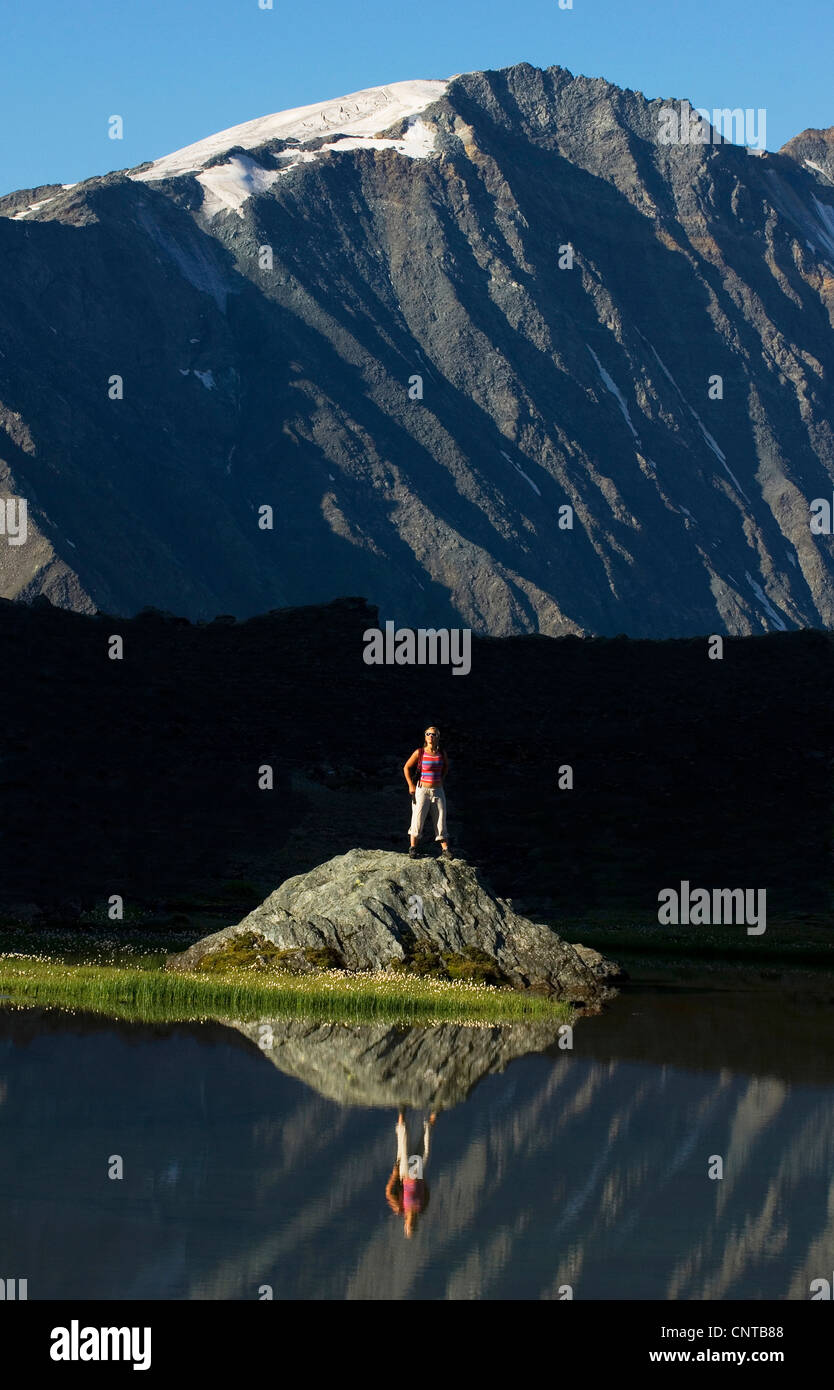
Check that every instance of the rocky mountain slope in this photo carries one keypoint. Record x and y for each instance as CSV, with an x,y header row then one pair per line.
x,y
420,324
815,150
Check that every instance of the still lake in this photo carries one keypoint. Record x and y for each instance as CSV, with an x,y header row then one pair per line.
x,y
248,1165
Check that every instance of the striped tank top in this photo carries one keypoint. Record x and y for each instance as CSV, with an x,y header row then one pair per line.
x,y
431,768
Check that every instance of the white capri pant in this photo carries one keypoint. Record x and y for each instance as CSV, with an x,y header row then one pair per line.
x,y
412,1165
428,799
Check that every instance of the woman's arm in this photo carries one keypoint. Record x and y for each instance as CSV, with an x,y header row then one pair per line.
x,y
408,769
394,1201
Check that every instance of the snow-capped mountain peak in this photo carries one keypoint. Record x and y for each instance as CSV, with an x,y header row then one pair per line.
x,y
361,115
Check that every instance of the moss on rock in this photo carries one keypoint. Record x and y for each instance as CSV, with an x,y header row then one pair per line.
x,y
251,951
472,965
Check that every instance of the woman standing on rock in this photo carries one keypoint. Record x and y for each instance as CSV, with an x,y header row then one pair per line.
x,y
425,773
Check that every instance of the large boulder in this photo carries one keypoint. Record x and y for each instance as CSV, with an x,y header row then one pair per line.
x,y
375,908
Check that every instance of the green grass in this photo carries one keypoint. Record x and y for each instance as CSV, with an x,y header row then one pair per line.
x,y
142,991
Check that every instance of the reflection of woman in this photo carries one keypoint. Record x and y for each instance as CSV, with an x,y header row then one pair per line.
x,y
407,1191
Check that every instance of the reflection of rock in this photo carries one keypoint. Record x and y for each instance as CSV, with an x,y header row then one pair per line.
x,y
374,907
380,1065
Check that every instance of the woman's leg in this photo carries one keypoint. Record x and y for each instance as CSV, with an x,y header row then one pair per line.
x,y
422,806
441,819
426,1141
402,1148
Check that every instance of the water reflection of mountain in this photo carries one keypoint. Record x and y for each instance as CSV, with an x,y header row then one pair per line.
x,y
586,1168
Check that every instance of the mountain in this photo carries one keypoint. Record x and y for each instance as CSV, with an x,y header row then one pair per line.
x,y
815,150
250,323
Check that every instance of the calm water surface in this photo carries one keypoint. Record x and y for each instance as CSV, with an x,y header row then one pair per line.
x,y
247,1165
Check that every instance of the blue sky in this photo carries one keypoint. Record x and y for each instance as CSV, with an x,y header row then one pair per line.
x,y
178,70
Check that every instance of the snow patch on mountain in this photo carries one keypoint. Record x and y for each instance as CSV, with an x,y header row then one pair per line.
x,y
207,378
417,142
227,186
364,113
520,470
816,223
708,438
776,618
33,207
611,385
